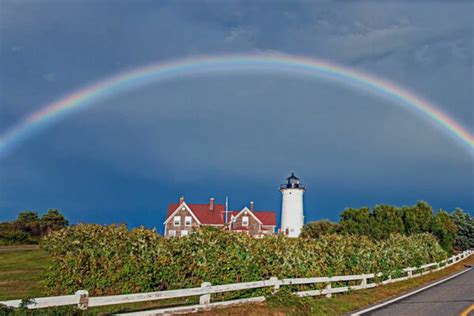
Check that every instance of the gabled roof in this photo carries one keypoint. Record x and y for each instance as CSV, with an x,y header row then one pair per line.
x,y
267,218
246,211
172,212
217,217
203,213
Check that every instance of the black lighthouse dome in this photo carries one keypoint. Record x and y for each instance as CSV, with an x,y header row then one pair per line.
x,y
293,182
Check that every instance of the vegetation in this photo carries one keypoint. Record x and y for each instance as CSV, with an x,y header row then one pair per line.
x,y
283,303
465,230
112,260
318,228
28,228
20,272
385,220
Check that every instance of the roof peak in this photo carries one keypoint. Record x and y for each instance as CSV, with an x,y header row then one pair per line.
x,y
292,176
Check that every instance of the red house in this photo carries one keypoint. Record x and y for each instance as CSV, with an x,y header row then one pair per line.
x,y
183,218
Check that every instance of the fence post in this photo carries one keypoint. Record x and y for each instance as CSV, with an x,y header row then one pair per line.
x,y
410,273
206,298
328,287
276,283
363,284
83,299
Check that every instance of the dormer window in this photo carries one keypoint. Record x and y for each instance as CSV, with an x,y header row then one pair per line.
x,y
245,221
177,221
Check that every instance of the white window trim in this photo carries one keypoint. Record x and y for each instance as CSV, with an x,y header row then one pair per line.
x,y
247,222
184,233
172,233
178,218
186,223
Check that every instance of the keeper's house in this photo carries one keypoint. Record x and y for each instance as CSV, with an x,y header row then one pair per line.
x,y
183,218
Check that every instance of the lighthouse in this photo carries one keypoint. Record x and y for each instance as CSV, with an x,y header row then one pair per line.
x,y
292,216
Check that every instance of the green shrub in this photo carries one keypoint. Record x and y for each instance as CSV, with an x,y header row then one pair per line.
x,y
112,260
16,237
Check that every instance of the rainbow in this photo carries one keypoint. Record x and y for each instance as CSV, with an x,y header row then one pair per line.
x,y
200,65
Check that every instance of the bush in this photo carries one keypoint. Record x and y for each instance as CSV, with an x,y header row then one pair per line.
x,y
317,229
28,228
113,260
16,237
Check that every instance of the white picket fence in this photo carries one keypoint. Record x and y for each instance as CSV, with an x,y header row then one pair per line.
x,y
83,301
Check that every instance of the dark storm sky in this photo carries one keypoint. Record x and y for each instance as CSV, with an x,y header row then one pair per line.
x,y
125,158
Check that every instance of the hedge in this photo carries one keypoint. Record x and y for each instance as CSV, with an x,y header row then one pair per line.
x,y
109,260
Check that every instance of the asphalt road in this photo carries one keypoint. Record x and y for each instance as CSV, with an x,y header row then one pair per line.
x,y
448,298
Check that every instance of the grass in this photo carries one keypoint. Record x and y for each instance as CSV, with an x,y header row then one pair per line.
x,y
21,268
20,272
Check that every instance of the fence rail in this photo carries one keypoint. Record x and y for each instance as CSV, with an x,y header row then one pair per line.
x,y
83,301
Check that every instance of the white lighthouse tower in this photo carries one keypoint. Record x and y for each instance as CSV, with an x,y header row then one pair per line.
x,y
292,216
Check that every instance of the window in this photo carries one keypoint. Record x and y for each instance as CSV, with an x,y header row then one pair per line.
x,y
172,233
184,233
187,221
245,221
177,220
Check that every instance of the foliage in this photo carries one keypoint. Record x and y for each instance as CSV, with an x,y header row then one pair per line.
x,y
465,229
50,311
10,237
444,229
291,303
53,220
28,227
27,217
317,229
113,260
356,221
417,218
386,220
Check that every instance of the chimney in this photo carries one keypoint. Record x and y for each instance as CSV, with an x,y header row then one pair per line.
x,y
181,200
211,204
251,206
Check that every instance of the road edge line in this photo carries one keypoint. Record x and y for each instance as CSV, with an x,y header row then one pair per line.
x,y
409,294
467,310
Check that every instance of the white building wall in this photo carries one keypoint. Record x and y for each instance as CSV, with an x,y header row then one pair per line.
x,y
292,216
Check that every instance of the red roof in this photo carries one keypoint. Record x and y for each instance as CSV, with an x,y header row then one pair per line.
x,y
203,213
267,218
217,216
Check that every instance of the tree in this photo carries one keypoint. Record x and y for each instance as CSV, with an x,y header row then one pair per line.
x,y
387,220
356,221
53,220
27,217
28,221
418,218
465,229
317,229
444,229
